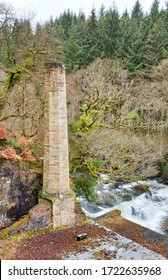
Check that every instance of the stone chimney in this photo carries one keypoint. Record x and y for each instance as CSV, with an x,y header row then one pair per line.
x,y
56,170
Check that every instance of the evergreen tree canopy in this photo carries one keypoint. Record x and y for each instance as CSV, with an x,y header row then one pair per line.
x,y
137,12
139,40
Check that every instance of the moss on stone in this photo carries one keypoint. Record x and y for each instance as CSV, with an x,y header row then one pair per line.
x,y
49,197
55,197
116,213
5,232
142,188
20,222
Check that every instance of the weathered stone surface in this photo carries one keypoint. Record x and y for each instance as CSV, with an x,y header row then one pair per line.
x,y
19,189
56,171
63,211
39,217
79,213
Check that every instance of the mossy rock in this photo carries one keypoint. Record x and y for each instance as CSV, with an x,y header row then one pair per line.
x,y
116,213
142,188
13,228
20,222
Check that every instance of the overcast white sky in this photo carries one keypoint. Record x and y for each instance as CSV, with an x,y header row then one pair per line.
x,y
43,9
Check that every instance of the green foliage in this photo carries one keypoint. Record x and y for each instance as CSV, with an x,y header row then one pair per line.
x,y
154,12
102,35
75,50
83,163
37,150
37,166
137,12
156,44
3,142
134,116
84,185
72,128
86,121
166,231
7,84
13,143
162,165
110,31
64,22
134,60
138,41
13,77
98,163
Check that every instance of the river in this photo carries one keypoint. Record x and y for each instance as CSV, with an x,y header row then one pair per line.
x,y
143,202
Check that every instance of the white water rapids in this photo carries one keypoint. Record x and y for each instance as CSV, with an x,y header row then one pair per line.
x,y
148,208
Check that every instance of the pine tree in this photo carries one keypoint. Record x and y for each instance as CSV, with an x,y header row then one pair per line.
x,y
92,35
155,44
164,17
124,37
75,49
135,57
101,47
132,38
81,17
137,13
154,12
64,22
111,32
102,12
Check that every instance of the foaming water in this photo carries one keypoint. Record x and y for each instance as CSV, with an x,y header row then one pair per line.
x,y
149,209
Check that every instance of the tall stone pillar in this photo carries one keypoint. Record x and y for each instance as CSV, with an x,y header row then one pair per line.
x,y
56,171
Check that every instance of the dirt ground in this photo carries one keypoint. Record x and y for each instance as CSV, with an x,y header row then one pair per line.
x,y
109,233
54,245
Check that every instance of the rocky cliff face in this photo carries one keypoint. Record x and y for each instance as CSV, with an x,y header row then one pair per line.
x,y
19,188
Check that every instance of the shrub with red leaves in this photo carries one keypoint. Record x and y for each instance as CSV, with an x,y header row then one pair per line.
x,y
24,141
3,132
13,134
9,153
27,155
7,149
